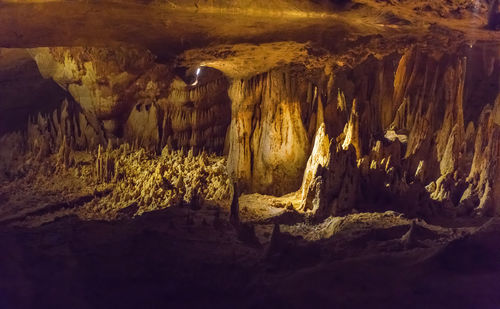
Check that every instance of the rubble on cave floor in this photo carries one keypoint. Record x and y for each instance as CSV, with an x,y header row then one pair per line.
x,y
126,182
371,252
86,216
103,184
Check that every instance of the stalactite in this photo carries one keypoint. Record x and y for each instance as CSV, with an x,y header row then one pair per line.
x,y
411,124
268,138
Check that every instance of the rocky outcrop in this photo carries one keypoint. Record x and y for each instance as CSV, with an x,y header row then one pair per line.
x,y
131,97
268,139
97,78
364,136
483,190
331,179
414,152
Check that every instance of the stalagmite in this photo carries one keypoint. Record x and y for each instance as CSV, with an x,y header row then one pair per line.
x,y
234,215
352,131
330,182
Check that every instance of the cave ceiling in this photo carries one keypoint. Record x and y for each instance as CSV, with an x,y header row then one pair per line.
x,y
232,35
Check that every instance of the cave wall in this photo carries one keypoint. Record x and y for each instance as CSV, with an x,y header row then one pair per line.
x,y
197,115
131,98
415,130
23,91
410,135
268,138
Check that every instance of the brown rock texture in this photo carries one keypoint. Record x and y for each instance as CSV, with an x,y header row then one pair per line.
x,y
404,116
181,153
131,97
331,180
268,141
344,109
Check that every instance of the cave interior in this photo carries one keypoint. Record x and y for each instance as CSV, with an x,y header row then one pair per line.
x,y
250,154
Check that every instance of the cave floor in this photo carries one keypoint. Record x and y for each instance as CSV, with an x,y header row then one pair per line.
x,y
184,258
163,259
67,242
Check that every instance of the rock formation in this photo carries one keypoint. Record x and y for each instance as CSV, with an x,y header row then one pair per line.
x,y
268,141
356,125
391,126
231,152
331,180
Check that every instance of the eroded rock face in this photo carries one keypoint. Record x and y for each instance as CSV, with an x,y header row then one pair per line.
x,y
483,178
268,138
418,139
129,96
331,180
197,115
399,126
98,78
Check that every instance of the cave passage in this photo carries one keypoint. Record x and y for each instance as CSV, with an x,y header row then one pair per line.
x,y
243,154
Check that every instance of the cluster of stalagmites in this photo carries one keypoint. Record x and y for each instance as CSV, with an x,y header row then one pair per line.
x,y
56,143
60,133
154,182
426,156
405,132
399,133
66,128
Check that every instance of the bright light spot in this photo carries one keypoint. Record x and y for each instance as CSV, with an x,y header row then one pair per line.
x,y
198,70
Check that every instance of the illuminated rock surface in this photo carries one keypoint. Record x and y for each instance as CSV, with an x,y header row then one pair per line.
x,y
363,135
